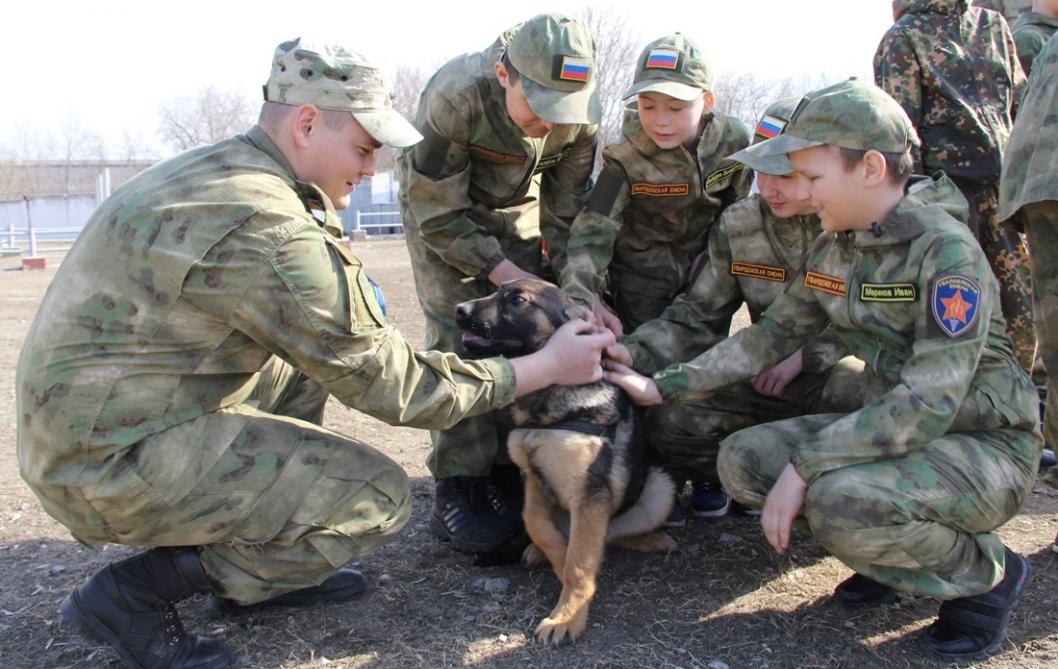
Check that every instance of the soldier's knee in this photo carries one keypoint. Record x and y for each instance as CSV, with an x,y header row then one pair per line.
x,y
840,505
734,468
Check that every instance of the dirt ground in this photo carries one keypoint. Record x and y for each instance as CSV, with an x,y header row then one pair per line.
x,y
724,599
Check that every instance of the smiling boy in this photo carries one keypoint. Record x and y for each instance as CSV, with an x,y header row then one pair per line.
x,y
908,489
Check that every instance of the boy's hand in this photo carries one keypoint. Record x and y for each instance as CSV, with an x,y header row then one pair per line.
x,y
773,382
508,271
784,502
609,320
619,353
641,389
574,352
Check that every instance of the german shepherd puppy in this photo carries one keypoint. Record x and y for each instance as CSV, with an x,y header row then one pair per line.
x,y
584,464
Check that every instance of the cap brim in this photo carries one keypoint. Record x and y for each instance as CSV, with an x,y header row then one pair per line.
x,y
563,107
389,127
673,89
772,156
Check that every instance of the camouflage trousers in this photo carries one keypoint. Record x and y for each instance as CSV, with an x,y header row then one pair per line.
x,y
685,438
1009,259
475,444
273,501
920,523
1041,228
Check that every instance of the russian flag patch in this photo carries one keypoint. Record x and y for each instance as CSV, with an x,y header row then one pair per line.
x,y
769,127
575,68
663,59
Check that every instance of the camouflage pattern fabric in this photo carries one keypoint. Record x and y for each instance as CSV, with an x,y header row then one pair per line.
x,y
753,256
649,217
919,304
474,192
1010,9
1041,227
954,70
141,391
1031,32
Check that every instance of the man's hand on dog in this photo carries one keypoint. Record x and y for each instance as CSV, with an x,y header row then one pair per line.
x,y
570,358
641,389
608,319
784,502
508,271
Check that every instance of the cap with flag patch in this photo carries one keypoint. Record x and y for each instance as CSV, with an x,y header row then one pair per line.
x,y
673,66
771,125
555,58
332,77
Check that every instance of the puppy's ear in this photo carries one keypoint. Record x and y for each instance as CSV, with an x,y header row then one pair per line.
x,y
572,311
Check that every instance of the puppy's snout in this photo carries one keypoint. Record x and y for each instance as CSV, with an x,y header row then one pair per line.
x,y
463,310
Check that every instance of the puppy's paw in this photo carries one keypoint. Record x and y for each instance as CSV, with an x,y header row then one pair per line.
x,y
556,632
532,556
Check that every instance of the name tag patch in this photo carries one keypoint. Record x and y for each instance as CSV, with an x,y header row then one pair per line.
x,y
954,300
722,174
660,190
496,156
826,284
758,271
553,159
888,292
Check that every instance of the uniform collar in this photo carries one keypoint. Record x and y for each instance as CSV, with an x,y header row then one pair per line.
x,y
706,145
924,196
315,200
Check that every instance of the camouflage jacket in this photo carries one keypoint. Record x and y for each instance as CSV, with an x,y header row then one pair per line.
x,y
1031,32
1032,153
753,256
919,304
651,209
182,286
1010,9
954,70
472,188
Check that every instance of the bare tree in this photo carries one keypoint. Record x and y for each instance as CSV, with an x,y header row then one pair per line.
x,y
408,83
208,116
618,43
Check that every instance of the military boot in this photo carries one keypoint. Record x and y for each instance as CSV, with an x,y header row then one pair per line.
x,y
858,590
128,605
471,512
343,585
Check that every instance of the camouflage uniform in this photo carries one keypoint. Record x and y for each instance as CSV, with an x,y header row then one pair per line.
x,y
1031,32
649,215
1010,9
474,192
158,398
1028,199
753,257
954,70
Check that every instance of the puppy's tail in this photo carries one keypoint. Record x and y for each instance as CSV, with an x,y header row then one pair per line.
x,y
649,511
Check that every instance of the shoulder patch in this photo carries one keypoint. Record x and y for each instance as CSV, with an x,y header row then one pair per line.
x,y
888,292
765,272
605,191
954,299
722,174
660,190
826,284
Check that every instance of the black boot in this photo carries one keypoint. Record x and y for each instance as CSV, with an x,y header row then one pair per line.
x,y
471,512
972,628
858,590
343,585
128,605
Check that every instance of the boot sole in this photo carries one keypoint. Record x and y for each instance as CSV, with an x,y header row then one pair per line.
x,y
994,647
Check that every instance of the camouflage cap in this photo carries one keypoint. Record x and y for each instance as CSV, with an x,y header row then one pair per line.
x,y
673,66
331,77
556,59
771,124
852,115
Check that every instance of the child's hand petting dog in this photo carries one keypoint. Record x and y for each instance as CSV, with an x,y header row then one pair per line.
x,y
641,389
570,358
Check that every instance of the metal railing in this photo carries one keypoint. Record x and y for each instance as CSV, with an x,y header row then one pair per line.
x,y
39,240
396,228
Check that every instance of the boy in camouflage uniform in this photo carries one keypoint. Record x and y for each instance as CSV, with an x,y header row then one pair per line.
x,y
660,190
172,386
954,70
504,168
1028,200
1010,9
1033,29
755,251
907,490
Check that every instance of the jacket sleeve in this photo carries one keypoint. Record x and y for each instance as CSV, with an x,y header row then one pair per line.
x,y
563,191
933,381
593,234
437,182
696,320
898,72
788,323
823,352
312,306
